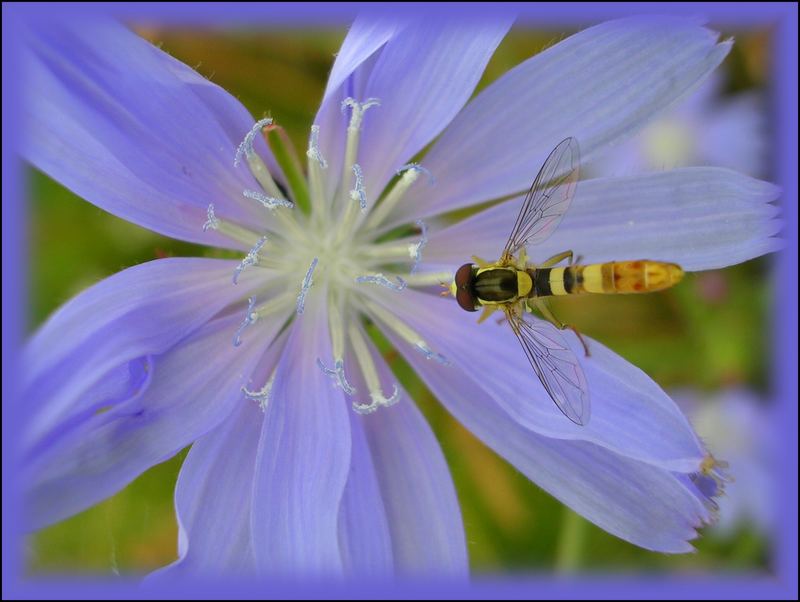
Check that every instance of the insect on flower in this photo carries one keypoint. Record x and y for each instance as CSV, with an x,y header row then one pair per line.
x,y
517,286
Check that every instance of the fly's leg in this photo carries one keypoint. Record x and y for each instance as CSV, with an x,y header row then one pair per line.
x,y
488,310
556,259
481,263
548,315
518,309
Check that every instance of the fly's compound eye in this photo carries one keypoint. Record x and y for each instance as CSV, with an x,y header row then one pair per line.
x,y
465,290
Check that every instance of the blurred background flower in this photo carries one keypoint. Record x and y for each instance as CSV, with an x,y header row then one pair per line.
x,y
708,128
509,522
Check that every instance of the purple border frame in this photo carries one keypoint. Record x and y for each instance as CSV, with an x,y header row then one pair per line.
x,y
782,17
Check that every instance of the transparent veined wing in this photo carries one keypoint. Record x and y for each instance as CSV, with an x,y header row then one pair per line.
x,y
554,363
548,199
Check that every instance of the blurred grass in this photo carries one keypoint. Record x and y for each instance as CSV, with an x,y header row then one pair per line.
x,y
708,333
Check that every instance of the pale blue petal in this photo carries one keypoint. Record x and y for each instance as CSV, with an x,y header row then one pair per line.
x,y
347,79
640,503
92,350
599,85
213,498
421,72
630,414
365,37
701,218
192,388
365,540
419,496
214,491
132,130
303,458
423,77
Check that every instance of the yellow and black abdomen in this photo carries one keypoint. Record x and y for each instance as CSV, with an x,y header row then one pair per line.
x,y
613,277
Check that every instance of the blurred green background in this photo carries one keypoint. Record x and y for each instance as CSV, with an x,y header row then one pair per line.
x,y
708,333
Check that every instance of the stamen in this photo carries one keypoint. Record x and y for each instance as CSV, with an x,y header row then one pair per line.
x,y
263,395
251,317
410,174
364,358
337,373
246,147
212,223
336,326
313,148
269,202
405,332
358,193
378,401
254,161
415,251
250,259
382,280
307,282
356,116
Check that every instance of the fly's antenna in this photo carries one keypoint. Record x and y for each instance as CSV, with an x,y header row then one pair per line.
x,y
446,291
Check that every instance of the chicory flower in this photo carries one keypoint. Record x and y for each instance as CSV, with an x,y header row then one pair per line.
x,y
307,456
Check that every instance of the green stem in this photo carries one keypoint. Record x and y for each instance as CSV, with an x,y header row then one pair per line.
x,y
286,157
569,550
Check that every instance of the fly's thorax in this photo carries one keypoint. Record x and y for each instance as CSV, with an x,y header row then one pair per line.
x,y
497,284
613,277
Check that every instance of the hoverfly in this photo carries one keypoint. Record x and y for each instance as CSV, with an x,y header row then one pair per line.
x,y
518,287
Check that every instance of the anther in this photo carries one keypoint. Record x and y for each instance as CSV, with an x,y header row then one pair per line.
x,y
263,395
358,193
212,223
358,110
246,147
250,259
415,169
307,282
313,148
337,374
379,400
269,202
431,355
410,173
415,250
382,280
251,317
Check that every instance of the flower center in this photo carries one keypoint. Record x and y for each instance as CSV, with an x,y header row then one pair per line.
x,y
329,243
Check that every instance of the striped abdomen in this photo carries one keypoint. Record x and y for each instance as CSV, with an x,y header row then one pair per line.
x,y
614,277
